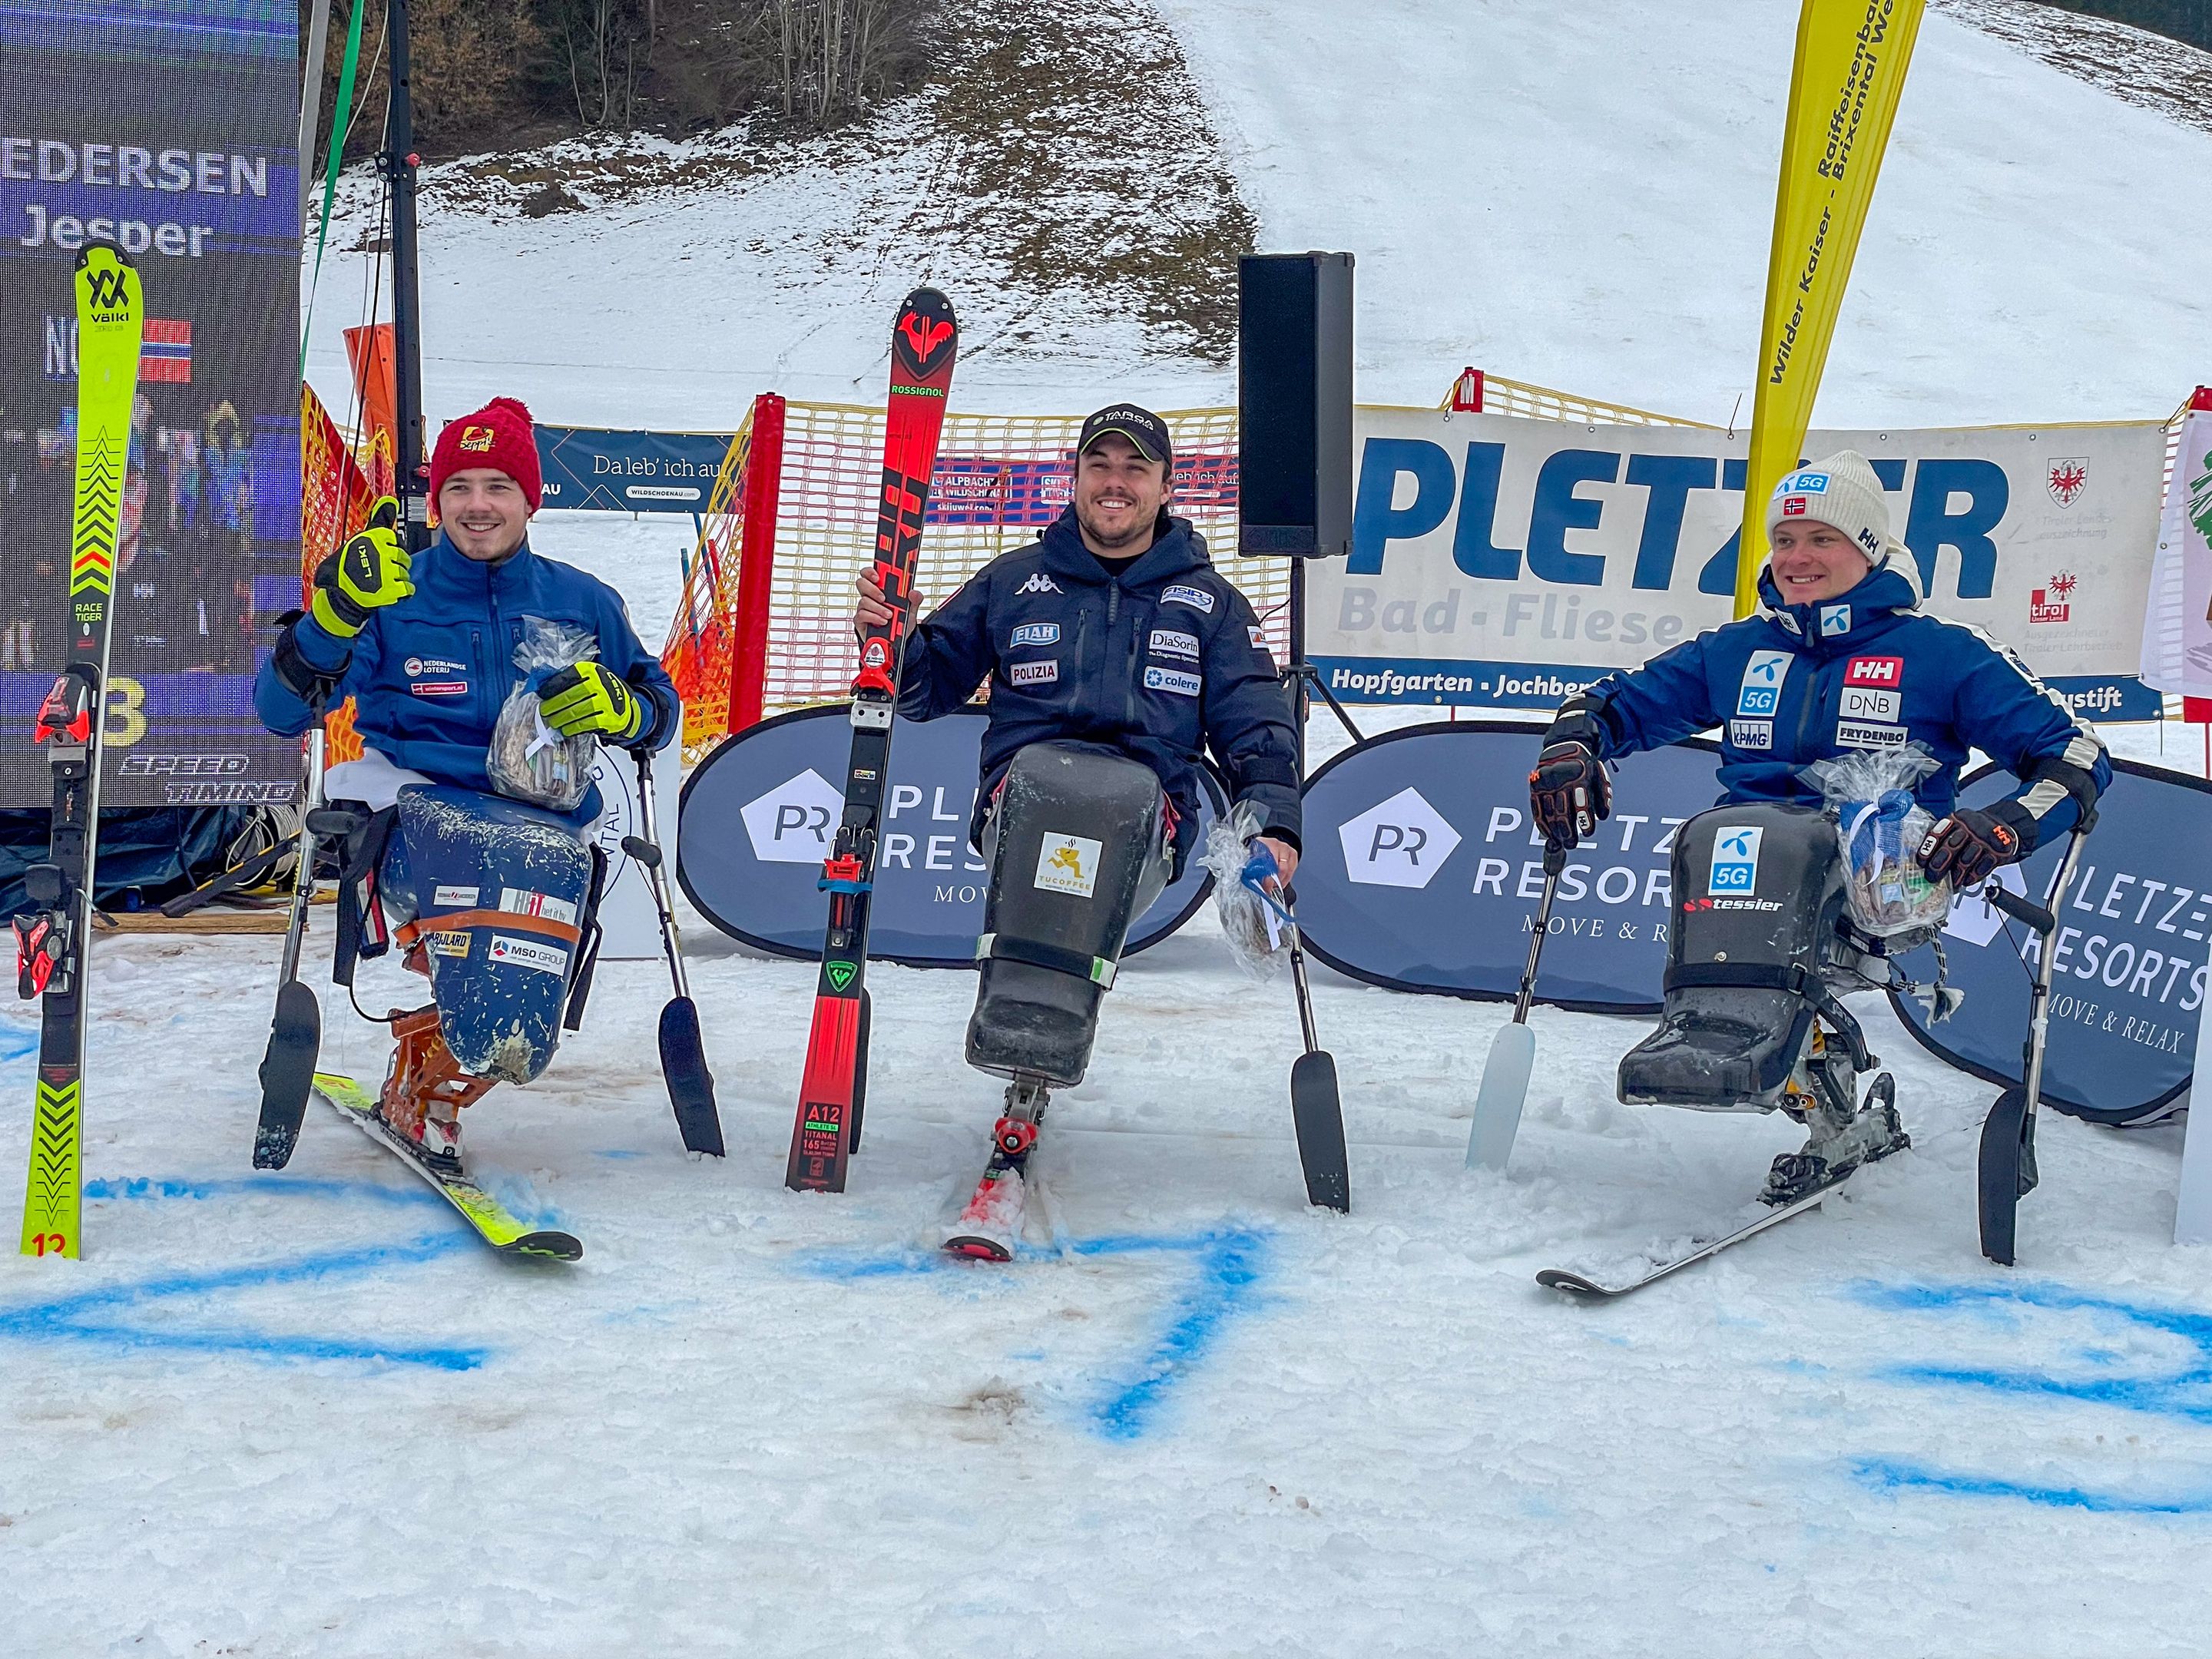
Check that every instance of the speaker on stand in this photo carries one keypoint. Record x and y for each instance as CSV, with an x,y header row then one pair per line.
x,y
1294,429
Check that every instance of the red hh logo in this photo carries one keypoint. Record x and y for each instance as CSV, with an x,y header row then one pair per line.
x,y
1887,673
2068,479
2051,603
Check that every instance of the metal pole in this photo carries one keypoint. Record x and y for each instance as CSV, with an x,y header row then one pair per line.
x,y
311,99
398,163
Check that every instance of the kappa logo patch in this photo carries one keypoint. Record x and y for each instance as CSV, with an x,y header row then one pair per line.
x,y
546,958
1759,696
1034,674
1195,597
1875,671
439,688
1039,583
1751,734
1169,680
1170,643
1034,633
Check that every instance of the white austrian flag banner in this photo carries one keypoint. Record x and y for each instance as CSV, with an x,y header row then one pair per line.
x,y
2177,644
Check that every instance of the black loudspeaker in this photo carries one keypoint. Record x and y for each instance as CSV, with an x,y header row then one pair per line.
x,y
1294,404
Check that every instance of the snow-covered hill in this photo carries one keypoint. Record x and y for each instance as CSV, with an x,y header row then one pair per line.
x,y
1576,195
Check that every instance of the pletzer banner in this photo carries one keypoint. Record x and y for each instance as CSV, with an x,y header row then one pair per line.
x,y
1507,562
760,813
2128,966
1422,871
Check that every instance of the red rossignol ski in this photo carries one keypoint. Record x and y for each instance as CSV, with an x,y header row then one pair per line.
x,y
924,343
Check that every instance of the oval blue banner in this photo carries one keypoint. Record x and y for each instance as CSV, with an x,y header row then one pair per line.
x,y
758,816
1422,871
2128,972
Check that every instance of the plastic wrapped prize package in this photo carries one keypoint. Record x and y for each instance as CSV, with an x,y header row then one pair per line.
x,y
529,760
1880,825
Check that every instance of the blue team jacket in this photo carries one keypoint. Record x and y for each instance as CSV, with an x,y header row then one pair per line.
x,y
1158,661
428,674
1796,684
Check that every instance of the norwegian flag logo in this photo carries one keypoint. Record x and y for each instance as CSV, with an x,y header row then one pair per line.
x,y
165,354
2067,479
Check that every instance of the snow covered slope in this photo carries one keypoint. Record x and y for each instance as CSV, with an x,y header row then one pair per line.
x,y
1576,195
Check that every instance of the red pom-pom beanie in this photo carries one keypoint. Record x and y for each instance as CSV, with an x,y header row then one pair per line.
x,y
497,436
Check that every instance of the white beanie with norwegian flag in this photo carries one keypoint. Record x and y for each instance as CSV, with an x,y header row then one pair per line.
x,y
1842,491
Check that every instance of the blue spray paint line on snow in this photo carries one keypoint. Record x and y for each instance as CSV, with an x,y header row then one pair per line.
x,y
1887,1475
74,1318
144,1188
1230,1266
1231,1263
17,1042
2186,1393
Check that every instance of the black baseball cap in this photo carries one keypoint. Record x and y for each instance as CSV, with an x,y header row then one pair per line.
x,y
1147,430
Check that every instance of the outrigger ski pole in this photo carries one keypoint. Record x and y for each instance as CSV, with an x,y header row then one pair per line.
x,y
1513,1051
682,1051
2005,1172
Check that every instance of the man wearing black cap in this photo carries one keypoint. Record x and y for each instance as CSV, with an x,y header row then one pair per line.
x,y
1111,640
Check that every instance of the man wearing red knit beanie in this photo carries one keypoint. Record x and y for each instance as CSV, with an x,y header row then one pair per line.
x,y
429,646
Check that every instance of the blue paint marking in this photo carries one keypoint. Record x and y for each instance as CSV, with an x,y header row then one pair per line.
x,y
1231,1264
2186,1393
1886,1475
17,1043
78,1318
143,1187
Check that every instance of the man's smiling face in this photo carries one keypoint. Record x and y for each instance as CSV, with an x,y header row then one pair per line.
x,y
1118,496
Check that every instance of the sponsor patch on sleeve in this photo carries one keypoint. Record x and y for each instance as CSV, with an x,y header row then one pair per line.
x,y
1034,674
1169,679
1751,734
462,897
1034,633
1181,594
521,901
1168,642
439,688
545,957
1258,635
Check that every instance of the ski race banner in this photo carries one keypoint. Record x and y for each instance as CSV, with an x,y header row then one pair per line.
x,y
601,470
760,813
170,131
2128,965
1507,562
2177,644
1422,873
1421,869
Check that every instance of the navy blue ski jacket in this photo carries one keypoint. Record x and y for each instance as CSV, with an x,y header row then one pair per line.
x,y
1796,684
1156,661
428,674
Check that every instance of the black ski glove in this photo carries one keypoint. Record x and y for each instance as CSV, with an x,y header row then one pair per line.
x,y
1969,846
1569,794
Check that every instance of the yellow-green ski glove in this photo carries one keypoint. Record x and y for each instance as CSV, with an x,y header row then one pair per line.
x,y
586,697
371,570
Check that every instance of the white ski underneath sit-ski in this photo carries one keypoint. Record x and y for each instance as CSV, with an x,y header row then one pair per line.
x,y
1559,1279
491,1219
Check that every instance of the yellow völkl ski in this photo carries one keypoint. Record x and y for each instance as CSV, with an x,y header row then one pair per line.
x,y
51,941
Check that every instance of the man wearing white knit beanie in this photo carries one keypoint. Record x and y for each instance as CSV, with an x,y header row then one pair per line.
x,y
1840,658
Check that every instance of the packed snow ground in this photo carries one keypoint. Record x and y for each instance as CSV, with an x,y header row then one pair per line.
x,y
307,1414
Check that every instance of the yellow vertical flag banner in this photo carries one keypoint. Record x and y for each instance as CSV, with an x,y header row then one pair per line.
x,y
1852,59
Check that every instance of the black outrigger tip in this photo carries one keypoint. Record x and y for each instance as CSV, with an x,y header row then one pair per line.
x,y
2005,1173
287,1073
690,1085
1317,1113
